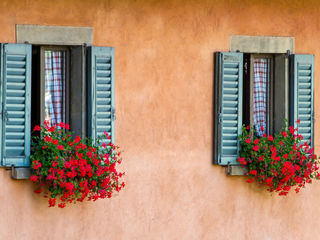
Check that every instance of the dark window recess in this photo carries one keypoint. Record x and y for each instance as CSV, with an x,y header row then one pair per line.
x,y
246,89
258,95
75,95
35,88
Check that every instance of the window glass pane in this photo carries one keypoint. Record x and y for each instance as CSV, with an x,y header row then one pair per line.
x,y
261,93
55,86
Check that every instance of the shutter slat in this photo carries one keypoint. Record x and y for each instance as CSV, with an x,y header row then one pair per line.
x,y
16,71
16,93
15,86
229,83
101,91
16,99
15,135
15,142
301,92
103,80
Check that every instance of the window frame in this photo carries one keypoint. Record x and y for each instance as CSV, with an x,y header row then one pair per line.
x,y
270,95
66,104
286,68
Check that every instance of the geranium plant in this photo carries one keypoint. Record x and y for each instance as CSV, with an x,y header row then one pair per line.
x,y
69,170
281,162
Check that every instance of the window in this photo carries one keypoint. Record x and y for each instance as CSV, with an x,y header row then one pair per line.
x,y
247,82
258,99
54,85
63,83
50,84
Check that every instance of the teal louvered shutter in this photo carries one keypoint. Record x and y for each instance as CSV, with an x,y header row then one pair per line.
x,y
301,94
101,102
228,106
15,104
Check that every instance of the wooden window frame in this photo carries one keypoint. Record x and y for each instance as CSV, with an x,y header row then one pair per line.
x,y
66,104
270,94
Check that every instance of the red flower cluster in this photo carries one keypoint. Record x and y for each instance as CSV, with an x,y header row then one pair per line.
x,y
74,169
280,162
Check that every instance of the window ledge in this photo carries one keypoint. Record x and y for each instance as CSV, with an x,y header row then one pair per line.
x,y
20,173
236,170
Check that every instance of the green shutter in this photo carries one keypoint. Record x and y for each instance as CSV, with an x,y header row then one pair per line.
x,y
228,107
301,94
15,104
101,92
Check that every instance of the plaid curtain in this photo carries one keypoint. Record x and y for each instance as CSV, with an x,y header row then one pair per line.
x,y
260,95
54,86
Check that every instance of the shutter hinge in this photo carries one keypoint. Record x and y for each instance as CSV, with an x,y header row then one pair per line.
x,y
229,169
288,53
6,116
4,113
85,52
220,117
113,114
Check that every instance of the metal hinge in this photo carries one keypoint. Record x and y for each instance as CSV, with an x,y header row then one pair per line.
x,y
312,116
229,170
220,117
4,113
113,114
288,53
85,52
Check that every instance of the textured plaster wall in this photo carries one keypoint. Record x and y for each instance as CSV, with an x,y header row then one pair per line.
x,y
164,91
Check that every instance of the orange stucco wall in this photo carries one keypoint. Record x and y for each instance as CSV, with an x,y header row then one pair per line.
x,y
164,91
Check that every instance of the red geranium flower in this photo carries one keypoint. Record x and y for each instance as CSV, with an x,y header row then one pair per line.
x,y
47,139
38,190
253,172
60,147
77,139
61,205
281,162
52,202
80,170
255,148
33,178
37,128
270,138
36,165
52,129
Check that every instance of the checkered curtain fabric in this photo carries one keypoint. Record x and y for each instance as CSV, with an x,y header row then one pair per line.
x,y
54,86
260,95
